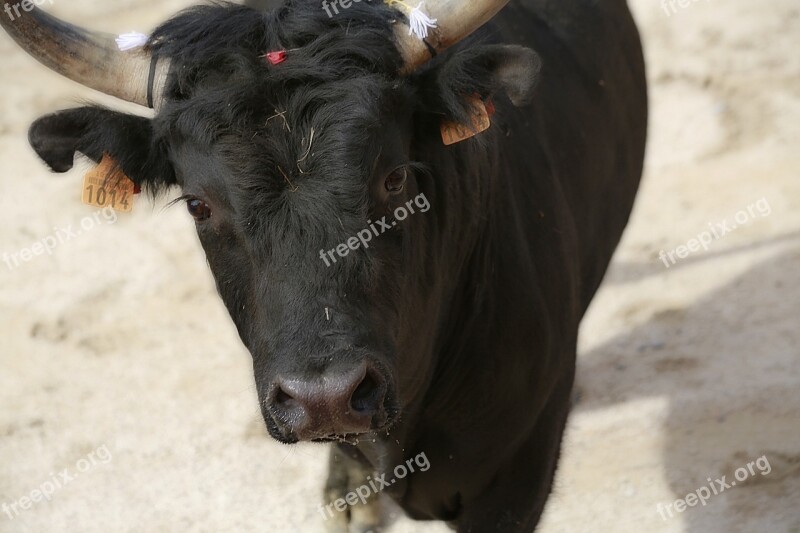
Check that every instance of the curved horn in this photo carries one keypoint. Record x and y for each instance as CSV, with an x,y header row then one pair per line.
x,y
89,58
455,20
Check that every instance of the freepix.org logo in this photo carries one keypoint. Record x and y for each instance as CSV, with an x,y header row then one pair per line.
x,y
13,10
60,236
57,481
375,229
376,485
336,4
714,488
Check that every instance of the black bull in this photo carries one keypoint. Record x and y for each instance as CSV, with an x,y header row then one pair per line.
x,y
456,336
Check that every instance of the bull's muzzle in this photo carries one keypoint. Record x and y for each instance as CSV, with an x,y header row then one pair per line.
x,y
331,406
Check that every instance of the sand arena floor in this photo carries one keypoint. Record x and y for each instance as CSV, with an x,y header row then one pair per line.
x,y
119,363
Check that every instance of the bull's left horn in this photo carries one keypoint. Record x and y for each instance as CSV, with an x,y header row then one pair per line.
x,y
89,58
455,19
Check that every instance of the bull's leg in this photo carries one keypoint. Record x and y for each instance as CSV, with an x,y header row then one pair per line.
x,y
336,487
514,502
348,476
364,517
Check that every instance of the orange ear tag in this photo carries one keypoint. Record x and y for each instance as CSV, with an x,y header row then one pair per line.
x,y
106,185
453,132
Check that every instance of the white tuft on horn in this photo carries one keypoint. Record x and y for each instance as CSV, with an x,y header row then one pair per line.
x,y
443,24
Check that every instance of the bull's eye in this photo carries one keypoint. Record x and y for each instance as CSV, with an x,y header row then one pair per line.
x,y
396,181
198,209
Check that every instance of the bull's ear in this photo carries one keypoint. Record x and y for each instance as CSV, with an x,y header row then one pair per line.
x,y
94,131
514,70
484,70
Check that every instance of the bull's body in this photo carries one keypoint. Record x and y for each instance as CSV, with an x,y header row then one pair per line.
x,y
503,330
453,337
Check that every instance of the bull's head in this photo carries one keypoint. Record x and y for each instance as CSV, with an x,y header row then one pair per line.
x,y
294,171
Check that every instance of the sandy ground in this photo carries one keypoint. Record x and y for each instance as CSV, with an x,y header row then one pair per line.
x,y
119,364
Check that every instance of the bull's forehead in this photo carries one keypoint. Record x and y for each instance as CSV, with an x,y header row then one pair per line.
x,y
277,222
287,178
299,168
266,140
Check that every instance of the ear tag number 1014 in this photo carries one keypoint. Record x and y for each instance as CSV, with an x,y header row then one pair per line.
x,y
106,185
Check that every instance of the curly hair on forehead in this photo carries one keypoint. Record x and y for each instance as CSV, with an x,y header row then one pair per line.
x,y
223,39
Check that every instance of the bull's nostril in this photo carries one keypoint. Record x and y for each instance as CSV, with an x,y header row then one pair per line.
x,y
349,400
283,398
368,396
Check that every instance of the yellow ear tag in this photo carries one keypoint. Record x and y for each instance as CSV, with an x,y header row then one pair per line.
x,y
453,132
106,185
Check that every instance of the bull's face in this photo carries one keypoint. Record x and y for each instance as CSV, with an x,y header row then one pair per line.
x,y
313,183
295,208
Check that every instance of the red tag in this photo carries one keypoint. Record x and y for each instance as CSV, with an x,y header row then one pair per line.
x,y
490,107
276,58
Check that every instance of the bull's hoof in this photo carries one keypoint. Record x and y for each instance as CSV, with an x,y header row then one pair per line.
x,y
367,518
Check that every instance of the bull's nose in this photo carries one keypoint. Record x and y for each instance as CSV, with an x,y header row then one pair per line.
x,y
336,403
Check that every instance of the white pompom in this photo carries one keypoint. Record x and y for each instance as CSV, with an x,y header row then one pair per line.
x,y
132,40
419,22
